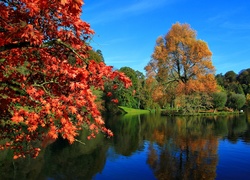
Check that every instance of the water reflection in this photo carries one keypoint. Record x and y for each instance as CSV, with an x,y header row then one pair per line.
x,y
188,150
183,147
176,148
60,161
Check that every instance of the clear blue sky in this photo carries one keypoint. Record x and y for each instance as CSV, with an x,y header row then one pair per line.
x,y
126,31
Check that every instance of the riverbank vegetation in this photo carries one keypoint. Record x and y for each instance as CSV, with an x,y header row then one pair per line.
x,y
49,82
54,84
180,78
132,111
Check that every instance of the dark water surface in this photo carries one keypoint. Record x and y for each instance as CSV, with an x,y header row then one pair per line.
x,y
146,147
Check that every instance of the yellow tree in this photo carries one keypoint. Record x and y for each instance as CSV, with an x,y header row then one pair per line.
x,y
180,58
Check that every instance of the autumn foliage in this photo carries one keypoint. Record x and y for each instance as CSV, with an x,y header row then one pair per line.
x,y
181,59
45,75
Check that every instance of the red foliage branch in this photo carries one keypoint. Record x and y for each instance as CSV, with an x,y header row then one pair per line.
x,y
45,78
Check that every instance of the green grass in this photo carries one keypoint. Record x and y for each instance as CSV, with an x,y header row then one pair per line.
x,y
176,113
132,111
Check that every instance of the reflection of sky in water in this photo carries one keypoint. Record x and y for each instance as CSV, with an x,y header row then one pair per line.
x,y
233,156
191,148
234,163
127,168
234,160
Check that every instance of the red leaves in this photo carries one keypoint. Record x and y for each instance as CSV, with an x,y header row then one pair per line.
x,y
72,109
99,120
16,118
53,133
72,86
31,90
115,101
63,2
50,95
115,86
123,78
16,156
109,94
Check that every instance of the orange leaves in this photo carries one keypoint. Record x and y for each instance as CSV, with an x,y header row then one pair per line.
x,y
182,60
54,88
80,2
109,94
115,101
158,93
63,121
108,132
72,86
72,109
31,90
99,120
123,78
77,85
31,34
79,118
115,87
17,118
31,119
92,127
16,156
63,2
53,132
100,70
68,131
32,128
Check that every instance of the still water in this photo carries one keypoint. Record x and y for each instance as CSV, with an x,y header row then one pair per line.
x,y
146,147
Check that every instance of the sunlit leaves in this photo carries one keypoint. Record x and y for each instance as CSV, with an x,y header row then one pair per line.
x,y
47,79
180,57
17,118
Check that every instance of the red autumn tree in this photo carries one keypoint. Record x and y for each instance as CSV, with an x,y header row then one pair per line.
x,y
46,79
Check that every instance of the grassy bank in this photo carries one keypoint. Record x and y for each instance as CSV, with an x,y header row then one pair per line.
x,y
131,111
176,113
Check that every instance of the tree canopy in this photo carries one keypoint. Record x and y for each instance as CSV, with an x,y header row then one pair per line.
x,y
179,57
46,76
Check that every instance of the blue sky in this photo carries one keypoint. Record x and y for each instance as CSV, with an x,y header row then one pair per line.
x,y
126,31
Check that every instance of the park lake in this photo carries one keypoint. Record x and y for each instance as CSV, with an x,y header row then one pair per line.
x,y
147,146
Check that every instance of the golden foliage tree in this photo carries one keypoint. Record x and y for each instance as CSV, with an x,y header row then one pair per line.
x,y
179,57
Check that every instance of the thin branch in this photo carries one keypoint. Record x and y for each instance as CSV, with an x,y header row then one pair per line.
x,y
80,142
72,49
12,46
46,44
44,88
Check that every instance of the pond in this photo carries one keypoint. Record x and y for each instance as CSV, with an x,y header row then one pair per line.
x,y
146,147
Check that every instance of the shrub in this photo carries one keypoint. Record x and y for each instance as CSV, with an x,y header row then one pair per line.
x,y
219,99
236,101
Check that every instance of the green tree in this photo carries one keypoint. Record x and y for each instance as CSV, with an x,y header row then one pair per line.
x,y
230,77
236,101
131,97
140,91
126,97
96,55
248,100
220,79
219,99
234,87
244,79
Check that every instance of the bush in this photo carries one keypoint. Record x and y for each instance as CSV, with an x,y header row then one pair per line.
x,y
236,101
219,99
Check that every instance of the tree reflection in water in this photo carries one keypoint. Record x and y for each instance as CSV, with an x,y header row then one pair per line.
x,y
176,148
60,161
187,147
